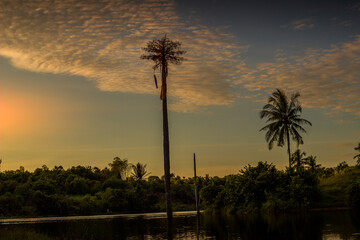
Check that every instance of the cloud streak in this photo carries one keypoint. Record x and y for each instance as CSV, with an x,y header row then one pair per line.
x,y
102,41
300,24
328,78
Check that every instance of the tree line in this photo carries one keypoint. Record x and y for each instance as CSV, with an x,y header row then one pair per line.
x,y
126,188
120,188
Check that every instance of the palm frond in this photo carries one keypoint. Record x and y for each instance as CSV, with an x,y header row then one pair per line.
x,y
298,127
296,136
282,136
301,121
274,138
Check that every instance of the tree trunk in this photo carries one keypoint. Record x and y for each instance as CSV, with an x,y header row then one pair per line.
x,y
166,142
288,140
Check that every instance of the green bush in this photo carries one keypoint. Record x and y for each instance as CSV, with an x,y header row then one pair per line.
x,y
354,195
114,183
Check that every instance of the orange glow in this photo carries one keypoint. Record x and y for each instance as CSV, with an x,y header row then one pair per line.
x,y
22,113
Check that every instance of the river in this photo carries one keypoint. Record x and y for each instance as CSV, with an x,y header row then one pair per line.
x,y
327,225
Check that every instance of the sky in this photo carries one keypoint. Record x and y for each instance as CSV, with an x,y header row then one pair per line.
x,y
74,91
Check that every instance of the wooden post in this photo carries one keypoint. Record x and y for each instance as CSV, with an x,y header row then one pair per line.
x,y
196,191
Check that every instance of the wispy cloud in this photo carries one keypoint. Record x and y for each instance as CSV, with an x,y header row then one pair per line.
x,y
328,79
343,145
355,6
342,23
102,41
343,121
346,156
300,24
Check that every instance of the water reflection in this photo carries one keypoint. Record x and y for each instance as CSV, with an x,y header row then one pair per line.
x,y
197,226
313,225
170,228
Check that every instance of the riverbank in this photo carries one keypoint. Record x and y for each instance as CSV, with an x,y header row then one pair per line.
x,y
93,217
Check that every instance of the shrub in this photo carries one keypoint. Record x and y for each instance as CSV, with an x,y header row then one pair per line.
x,y
354,195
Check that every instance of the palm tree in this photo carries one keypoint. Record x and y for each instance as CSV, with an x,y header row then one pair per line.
x,y
139,171
164,52
358,155
310,161
284,114
297,158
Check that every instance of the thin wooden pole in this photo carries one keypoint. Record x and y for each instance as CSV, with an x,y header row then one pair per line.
x,y
196,191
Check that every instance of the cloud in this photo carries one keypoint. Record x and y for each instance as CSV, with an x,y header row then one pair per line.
x,y
343,145
341,22
346,156
343,121
355,6
103,40
300,24
328,79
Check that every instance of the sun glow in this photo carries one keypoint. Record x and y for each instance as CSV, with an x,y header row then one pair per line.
x,y
22,113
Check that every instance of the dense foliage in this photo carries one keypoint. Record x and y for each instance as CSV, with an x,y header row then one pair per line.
x,y
262,187
87,190
90,190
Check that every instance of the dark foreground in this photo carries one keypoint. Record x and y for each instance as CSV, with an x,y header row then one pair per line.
x,y
311,225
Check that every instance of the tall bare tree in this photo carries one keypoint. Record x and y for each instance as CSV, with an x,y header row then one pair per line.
x,y
164,52
283,113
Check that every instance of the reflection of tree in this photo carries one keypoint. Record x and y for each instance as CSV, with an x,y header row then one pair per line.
x,y
310,225
24,234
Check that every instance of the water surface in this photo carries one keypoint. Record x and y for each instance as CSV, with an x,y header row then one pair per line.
x,y
311,225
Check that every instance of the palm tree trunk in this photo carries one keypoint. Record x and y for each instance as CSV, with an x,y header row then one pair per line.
x,y
166,143
288,141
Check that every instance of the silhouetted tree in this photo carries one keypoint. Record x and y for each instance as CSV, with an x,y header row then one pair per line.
x,y
119,167
297,158
310,162
164,52
284,115
358,155
341,167
139,171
